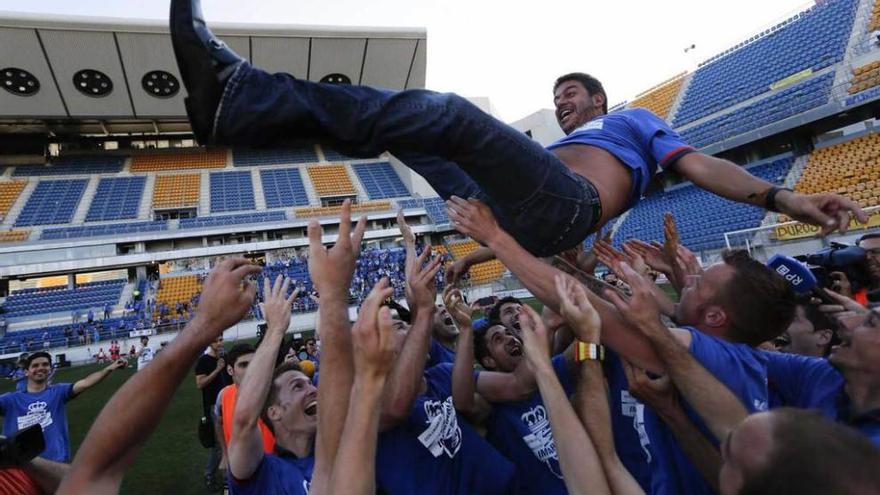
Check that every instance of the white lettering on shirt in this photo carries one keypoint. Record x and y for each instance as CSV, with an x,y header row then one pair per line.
x,y
540,438
37,414
632,408
595,124
443,435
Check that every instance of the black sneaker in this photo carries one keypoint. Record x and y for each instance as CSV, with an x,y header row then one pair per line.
x,y
205,64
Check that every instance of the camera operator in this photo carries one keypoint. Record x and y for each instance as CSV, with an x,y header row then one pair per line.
x,y
870,294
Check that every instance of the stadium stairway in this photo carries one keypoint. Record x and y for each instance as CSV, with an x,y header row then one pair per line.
x,y
205,193
673,109
309,187
82,209
145,209
18,205
259,195
859,28
355,180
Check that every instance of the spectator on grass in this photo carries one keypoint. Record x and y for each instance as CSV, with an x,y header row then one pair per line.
x,y
44,404
145,354
210,379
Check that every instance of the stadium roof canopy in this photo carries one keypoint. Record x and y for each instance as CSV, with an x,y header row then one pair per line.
x,y
87,75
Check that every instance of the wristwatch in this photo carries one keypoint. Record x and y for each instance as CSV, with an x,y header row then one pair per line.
x,y
588,351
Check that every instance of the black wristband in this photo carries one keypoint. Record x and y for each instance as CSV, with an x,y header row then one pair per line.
x,y
770,201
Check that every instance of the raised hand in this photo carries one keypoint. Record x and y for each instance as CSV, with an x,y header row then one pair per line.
x,y
575,307
658,393
460,311
372,335
276,306
457,270
115,365
641,309
652,254
331,269
421,284
473,218
226,296
829,211
671,239
536,340
405,229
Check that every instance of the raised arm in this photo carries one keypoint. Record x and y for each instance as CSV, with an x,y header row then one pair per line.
x,y
204,380
97,377
727,179
460,267
246,443
578,459
660,395
475,219
716,404
464,395
373,345
331,271
591,398
408,374
136,408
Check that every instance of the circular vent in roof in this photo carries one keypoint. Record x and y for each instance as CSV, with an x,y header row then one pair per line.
x,y
19,81
92,83
160,84
336,79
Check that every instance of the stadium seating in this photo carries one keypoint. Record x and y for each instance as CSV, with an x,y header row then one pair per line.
x,y
52,202
28,302
332,155
435,207
73,165
32,339
812,40
223,220
326,211
176,191
179,160
255,158
117,198
283,187
874,23
481,273
864,77
851,168
103,230
331,180
380,180
786,103
14,235
701,216
9,192
176,289
231,191
659,99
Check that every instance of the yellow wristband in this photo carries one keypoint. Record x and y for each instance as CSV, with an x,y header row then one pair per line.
x,y
588,351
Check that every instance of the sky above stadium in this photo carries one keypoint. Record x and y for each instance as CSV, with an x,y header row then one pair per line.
x,y
508,51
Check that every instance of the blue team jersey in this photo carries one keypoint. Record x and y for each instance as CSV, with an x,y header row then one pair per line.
x,y
279,475
436,451
439,354
628,423
521,432
23,409
739,367
642,141
20,379
812,383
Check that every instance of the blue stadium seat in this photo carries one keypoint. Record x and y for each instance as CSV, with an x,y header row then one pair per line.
x,y
231,191
701,216
103,230
73,165
52,202
435,208
57,299
254,158
223,220
117,198
814,39
283,187
791,101
380,180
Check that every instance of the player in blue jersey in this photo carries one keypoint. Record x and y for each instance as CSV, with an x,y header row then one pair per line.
x,y
548,199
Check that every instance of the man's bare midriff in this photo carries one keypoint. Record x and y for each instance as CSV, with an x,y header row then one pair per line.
x,y
610,177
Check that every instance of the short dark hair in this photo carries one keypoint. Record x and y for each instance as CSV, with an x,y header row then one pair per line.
x,y
495,312
758,301
272,396
590,83
481,350
819,319
28,360
813,455
873,235
237,351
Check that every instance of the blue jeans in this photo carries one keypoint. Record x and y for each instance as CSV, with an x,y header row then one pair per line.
x,y
458,148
